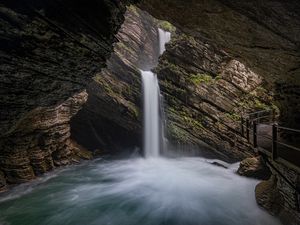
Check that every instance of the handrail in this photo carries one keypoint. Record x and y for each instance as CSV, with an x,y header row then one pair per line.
x,y
288,146
262,117
250,126
257,112
289,129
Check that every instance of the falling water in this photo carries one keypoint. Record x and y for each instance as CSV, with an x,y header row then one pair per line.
x,y
153,124
164,37
151,114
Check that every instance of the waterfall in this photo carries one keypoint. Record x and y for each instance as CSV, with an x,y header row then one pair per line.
x,y
164,37
153,119
151,114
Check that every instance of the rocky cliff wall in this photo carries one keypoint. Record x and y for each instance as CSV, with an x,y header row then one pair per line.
x,y
279,197
112,118
49,50
263,35
206,91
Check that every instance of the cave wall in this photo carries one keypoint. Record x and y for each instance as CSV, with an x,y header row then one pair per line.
x,y
111,120
279,197
49,50
206,92
263,35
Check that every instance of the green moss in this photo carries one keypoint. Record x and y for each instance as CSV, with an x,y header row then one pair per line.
x,y
218,77
106,86
201,78
191,122
233,116
172,67
121,45
135,111
165,25
177,133
260,105
133,9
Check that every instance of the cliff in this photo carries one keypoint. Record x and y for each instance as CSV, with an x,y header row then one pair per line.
x,y
112,118
260,34
49,51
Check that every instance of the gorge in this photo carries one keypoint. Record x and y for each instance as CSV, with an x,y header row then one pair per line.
x,y
162,121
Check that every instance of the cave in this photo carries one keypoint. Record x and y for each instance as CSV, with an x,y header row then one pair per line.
x,y
150,112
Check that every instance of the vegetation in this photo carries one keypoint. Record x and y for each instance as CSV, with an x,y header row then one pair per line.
x,y
121,45
233,116
165,25
260,105
201,78
133,9
177,133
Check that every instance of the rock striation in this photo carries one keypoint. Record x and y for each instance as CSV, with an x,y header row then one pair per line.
x,y
112,116
206,91
262,35
254,167
49,50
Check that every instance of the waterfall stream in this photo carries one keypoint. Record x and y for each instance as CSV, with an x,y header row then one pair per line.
x,y
153,121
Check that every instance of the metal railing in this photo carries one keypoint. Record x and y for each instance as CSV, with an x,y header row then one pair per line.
x,y
249,125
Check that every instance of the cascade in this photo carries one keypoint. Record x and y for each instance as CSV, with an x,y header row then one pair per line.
x,y
153,121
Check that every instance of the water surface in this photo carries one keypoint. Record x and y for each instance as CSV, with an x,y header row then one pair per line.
x,y
137,191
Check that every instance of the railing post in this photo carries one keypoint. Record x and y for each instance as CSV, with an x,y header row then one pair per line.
x,y
242,127
248,129
273,115
254,134
274,141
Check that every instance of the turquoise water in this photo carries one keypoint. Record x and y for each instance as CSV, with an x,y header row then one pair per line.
x,y
136,191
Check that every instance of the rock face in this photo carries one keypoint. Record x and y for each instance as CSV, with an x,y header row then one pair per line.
x,y
112,116
206,91
40,142
278,196
261,34
254,167
268,196
49,50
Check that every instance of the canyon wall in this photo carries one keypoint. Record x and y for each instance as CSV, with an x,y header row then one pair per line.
x,y
206,92
263,35
49,52
112,118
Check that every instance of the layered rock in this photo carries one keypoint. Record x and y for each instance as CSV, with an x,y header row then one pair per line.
x,y
206,91
268,196
280,194
261,34
41,141
111,119
254,167
49,50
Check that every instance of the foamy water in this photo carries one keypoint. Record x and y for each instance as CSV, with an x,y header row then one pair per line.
x,y
154,191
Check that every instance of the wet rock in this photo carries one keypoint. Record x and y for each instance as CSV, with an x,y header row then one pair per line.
x,y
219,164
2,182
40,142
268,196
79,152
205,95
112,117
266,41
254,167
49,51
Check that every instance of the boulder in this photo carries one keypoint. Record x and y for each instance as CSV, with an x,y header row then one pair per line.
x,y
268,196
254,167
